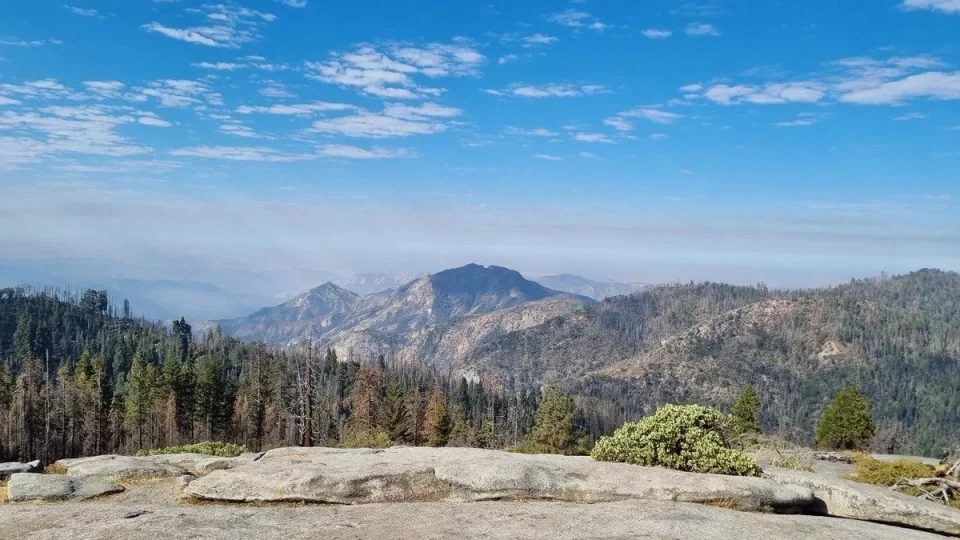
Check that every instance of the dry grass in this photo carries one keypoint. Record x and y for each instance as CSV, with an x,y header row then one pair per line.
x,y
128,483
727,504
55,468
3,492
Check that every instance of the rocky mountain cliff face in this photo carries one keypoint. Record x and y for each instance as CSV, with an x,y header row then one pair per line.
x,y
430,318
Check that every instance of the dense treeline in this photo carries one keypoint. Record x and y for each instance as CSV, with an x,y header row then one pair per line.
x,y
77,378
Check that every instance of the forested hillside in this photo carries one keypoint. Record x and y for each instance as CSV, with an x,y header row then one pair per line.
x,y
899,339
77,378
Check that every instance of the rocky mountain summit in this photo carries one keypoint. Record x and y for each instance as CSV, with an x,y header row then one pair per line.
x,y
453,492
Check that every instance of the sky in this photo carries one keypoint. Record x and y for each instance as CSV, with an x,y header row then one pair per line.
x,y
791,143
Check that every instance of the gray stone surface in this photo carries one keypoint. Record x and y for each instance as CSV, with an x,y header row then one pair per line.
x,y
184,461
56,487
116,467
211,464
846,498
13,467
128,517
406,474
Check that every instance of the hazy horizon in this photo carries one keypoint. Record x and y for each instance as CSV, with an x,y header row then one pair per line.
x,y
252,145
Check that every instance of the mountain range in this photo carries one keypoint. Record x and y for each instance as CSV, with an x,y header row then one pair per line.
x,y
897,338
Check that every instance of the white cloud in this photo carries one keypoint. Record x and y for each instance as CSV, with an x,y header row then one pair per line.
x,y
659,136
577,19
241,153
655,115
394,121
40,89
276,90
8,101
13,42
532,132
85,12
90,129
181,93
548,157
293,3
772,93
353,152
932,85
588,155
300,109
219,66
701,29
538,39
657,33
618,123
593,138
944,6
507,58
549,90
152,120
105,89
802,120
690,88
391,73
240,130
910,116
225,26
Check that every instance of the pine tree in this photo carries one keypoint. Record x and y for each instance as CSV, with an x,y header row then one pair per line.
x,y
745,412
554,423
394,412
846,424
437,424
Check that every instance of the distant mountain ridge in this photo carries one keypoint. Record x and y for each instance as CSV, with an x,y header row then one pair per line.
x,y
330,315
598,290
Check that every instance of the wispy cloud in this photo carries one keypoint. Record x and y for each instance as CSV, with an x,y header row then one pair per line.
x,y
798,92
293,3
802,120
242,153
548,157
577,19
394,121
532,132
354,152
699,29
944,6
299,109
593,138
85,12
657,33
390,73
536,40
910,116
548,90
224,25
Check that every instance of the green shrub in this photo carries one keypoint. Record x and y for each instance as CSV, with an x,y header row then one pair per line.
x,y
682,437
211,448
368,439
887,473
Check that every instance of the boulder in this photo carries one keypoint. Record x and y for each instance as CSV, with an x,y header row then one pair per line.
x,y
7,469
187,461
406,474
116,467
56,487
845,498
211,464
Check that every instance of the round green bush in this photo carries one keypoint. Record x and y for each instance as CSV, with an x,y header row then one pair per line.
x,y
682,437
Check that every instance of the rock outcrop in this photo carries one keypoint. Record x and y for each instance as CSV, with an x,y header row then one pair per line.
x,y
406,474
13,467
57,487
846,498
114,467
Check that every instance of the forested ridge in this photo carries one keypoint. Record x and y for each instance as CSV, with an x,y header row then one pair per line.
x,y
78,378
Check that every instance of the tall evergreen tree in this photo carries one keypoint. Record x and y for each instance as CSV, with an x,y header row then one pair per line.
x,y
746,412
846,424
394,412
437,423
554,423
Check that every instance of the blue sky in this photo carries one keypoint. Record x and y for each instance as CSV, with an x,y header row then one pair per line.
x,y
794,143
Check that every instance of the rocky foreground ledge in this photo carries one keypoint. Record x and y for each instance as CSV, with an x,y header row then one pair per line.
x,y
408,492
